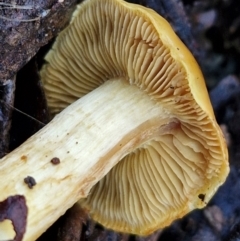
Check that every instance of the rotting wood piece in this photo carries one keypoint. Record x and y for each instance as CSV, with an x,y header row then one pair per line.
x,y
25,27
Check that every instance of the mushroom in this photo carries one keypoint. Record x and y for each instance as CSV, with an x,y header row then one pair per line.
x,y
136,139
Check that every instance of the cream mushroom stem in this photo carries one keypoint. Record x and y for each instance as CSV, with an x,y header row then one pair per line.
x,y
89,137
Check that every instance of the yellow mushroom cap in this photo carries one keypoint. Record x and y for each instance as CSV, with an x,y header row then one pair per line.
x,y
180,169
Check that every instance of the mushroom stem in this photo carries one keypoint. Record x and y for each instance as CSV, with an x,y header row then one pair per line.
x,y
107,124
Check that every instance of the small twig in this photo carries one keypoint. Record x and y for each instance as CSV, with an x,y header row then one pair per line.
x,y
20,20
14,6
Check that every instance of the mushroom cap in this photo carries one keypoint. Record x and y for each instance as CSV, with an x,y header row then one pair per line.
x,y
166,177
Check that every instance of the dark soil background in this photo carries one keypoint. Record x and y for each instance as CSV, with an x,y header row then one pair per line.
x,y
210,29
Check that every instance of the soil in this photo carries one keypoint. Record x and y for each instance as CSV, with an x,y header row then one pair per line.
x,y
210,29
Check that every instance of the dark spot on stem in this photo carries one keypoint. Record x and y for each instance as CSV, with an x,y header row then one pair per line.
x,y
24,158
30,181
55,161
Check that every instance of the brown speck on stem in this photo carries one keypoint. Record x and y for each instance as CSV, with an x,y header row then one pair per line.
x,y
30,181
24,158
55,161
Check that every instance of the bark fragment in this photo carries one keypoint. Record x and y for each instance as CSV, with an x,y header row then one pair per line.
x,y
25,27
